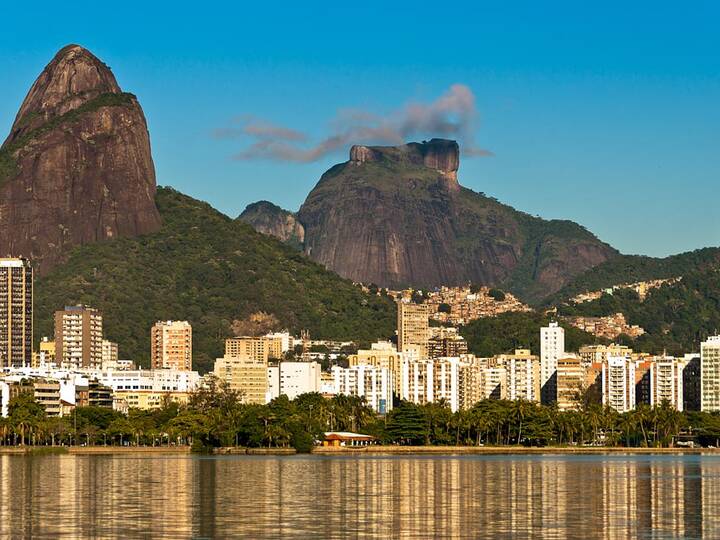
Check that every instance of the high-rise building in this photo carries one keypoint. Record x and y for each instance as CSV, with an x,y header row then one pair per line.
x,y
171,345
259,349
373,383
523,374
413,328
426,381
710,374
16,312
381,354
618,383
552,347
446,342
292,379
666,381
78,337
247,376
570,382
109,352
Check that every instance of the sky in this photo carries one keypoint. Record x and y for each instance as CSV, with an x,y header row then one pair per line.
x,y
607,113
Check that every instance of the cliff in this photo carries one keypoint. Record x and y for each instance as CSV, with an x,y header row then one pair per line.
x,y
268,218
76,167
396,216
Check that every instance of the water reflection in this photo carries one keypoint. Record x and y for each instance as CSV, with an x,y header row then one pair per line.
x,y
383,497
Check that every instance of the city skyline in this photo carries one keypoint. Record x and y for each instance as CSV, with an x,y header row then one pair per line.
x,y
620,109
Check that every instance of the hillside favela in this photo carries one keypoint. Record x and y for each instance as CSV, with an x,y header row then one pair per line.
x,y
428,343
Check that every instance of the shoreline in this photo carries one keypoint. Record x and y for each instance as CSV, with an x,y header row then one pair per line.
x,y
505,450
377,450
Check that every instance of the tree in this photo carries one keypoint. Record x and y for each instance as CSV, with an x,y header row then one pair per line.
x,y
407,425
25,414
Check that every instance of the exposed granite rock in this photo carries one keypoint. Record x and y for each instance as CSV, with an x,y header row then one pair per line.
x,y
396,216
268,218
76,167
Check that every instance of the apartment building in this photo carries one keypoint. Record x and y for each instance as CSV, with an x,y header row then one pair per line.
x,y
381,354
571,376
446,342
666,377
247,376
413,327
430,380
171,345
523,374
710,374
552,347
618,383
373,383
16,312
255,349
78,337
292,379
600,353
110,352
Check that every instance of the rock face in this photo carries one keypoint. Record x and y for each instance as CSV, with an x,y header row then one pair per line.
x,y
76,167
268,218
396,216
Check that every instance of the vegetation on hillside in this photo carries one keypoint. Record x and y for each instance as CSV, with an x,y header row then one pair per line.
x,y
8,164
517,330
634,268
676,317
211,270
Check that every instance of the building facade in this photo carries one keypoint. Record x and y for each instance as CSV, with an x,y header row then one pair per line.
x,y
413,328
373,383
171,345
552,347
16,313
78,337
618,383
710,374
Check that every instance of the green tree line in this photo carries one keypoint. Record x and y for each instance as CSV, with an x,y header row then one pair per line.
x,y
216,417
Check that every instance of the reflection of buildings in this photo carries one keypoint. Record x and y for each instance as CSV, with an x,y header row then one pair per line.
x,y
610,497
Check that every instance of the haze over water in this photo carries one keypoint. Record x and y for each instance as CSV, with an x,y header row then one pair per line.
x,y
367,497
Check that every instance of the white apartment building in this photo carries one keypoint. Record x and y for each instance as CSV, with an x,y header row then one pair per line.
x,y
157,380
373,383
293,379
430,380
710,374
666,381
618,383
552,348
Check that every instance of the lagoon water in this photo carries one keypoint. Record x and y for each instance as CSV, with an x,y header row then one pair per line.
x,y
518,496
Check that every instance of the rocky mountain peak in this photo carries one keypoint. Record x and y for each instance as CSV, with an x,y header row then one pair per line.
x,y
442,155
76,167
73,77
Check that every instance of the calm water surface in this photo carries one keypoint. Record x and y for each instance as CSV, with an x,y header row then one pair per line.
x,y
360,497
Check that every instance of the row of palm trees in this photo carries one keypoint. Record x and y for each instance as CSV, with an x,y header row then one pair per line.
x,y
216,416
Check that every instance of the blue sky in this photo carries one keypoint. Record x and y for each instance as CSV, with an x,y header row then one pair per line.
x,y
607,115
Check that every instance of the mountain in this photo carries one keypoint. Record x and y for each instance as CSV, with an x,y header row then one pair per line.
x,y
676,316
634,268
397,216
268,218
211,270
76,167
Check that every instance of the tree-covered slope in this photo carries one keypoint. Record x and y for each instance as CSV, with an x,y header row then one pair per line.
x,y
209,269
634,268
676,317
518,330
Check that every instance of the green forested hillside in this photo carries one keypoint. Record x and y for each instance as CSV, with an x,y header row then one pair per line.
x,y
676,317
517,330
209,269
633,268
